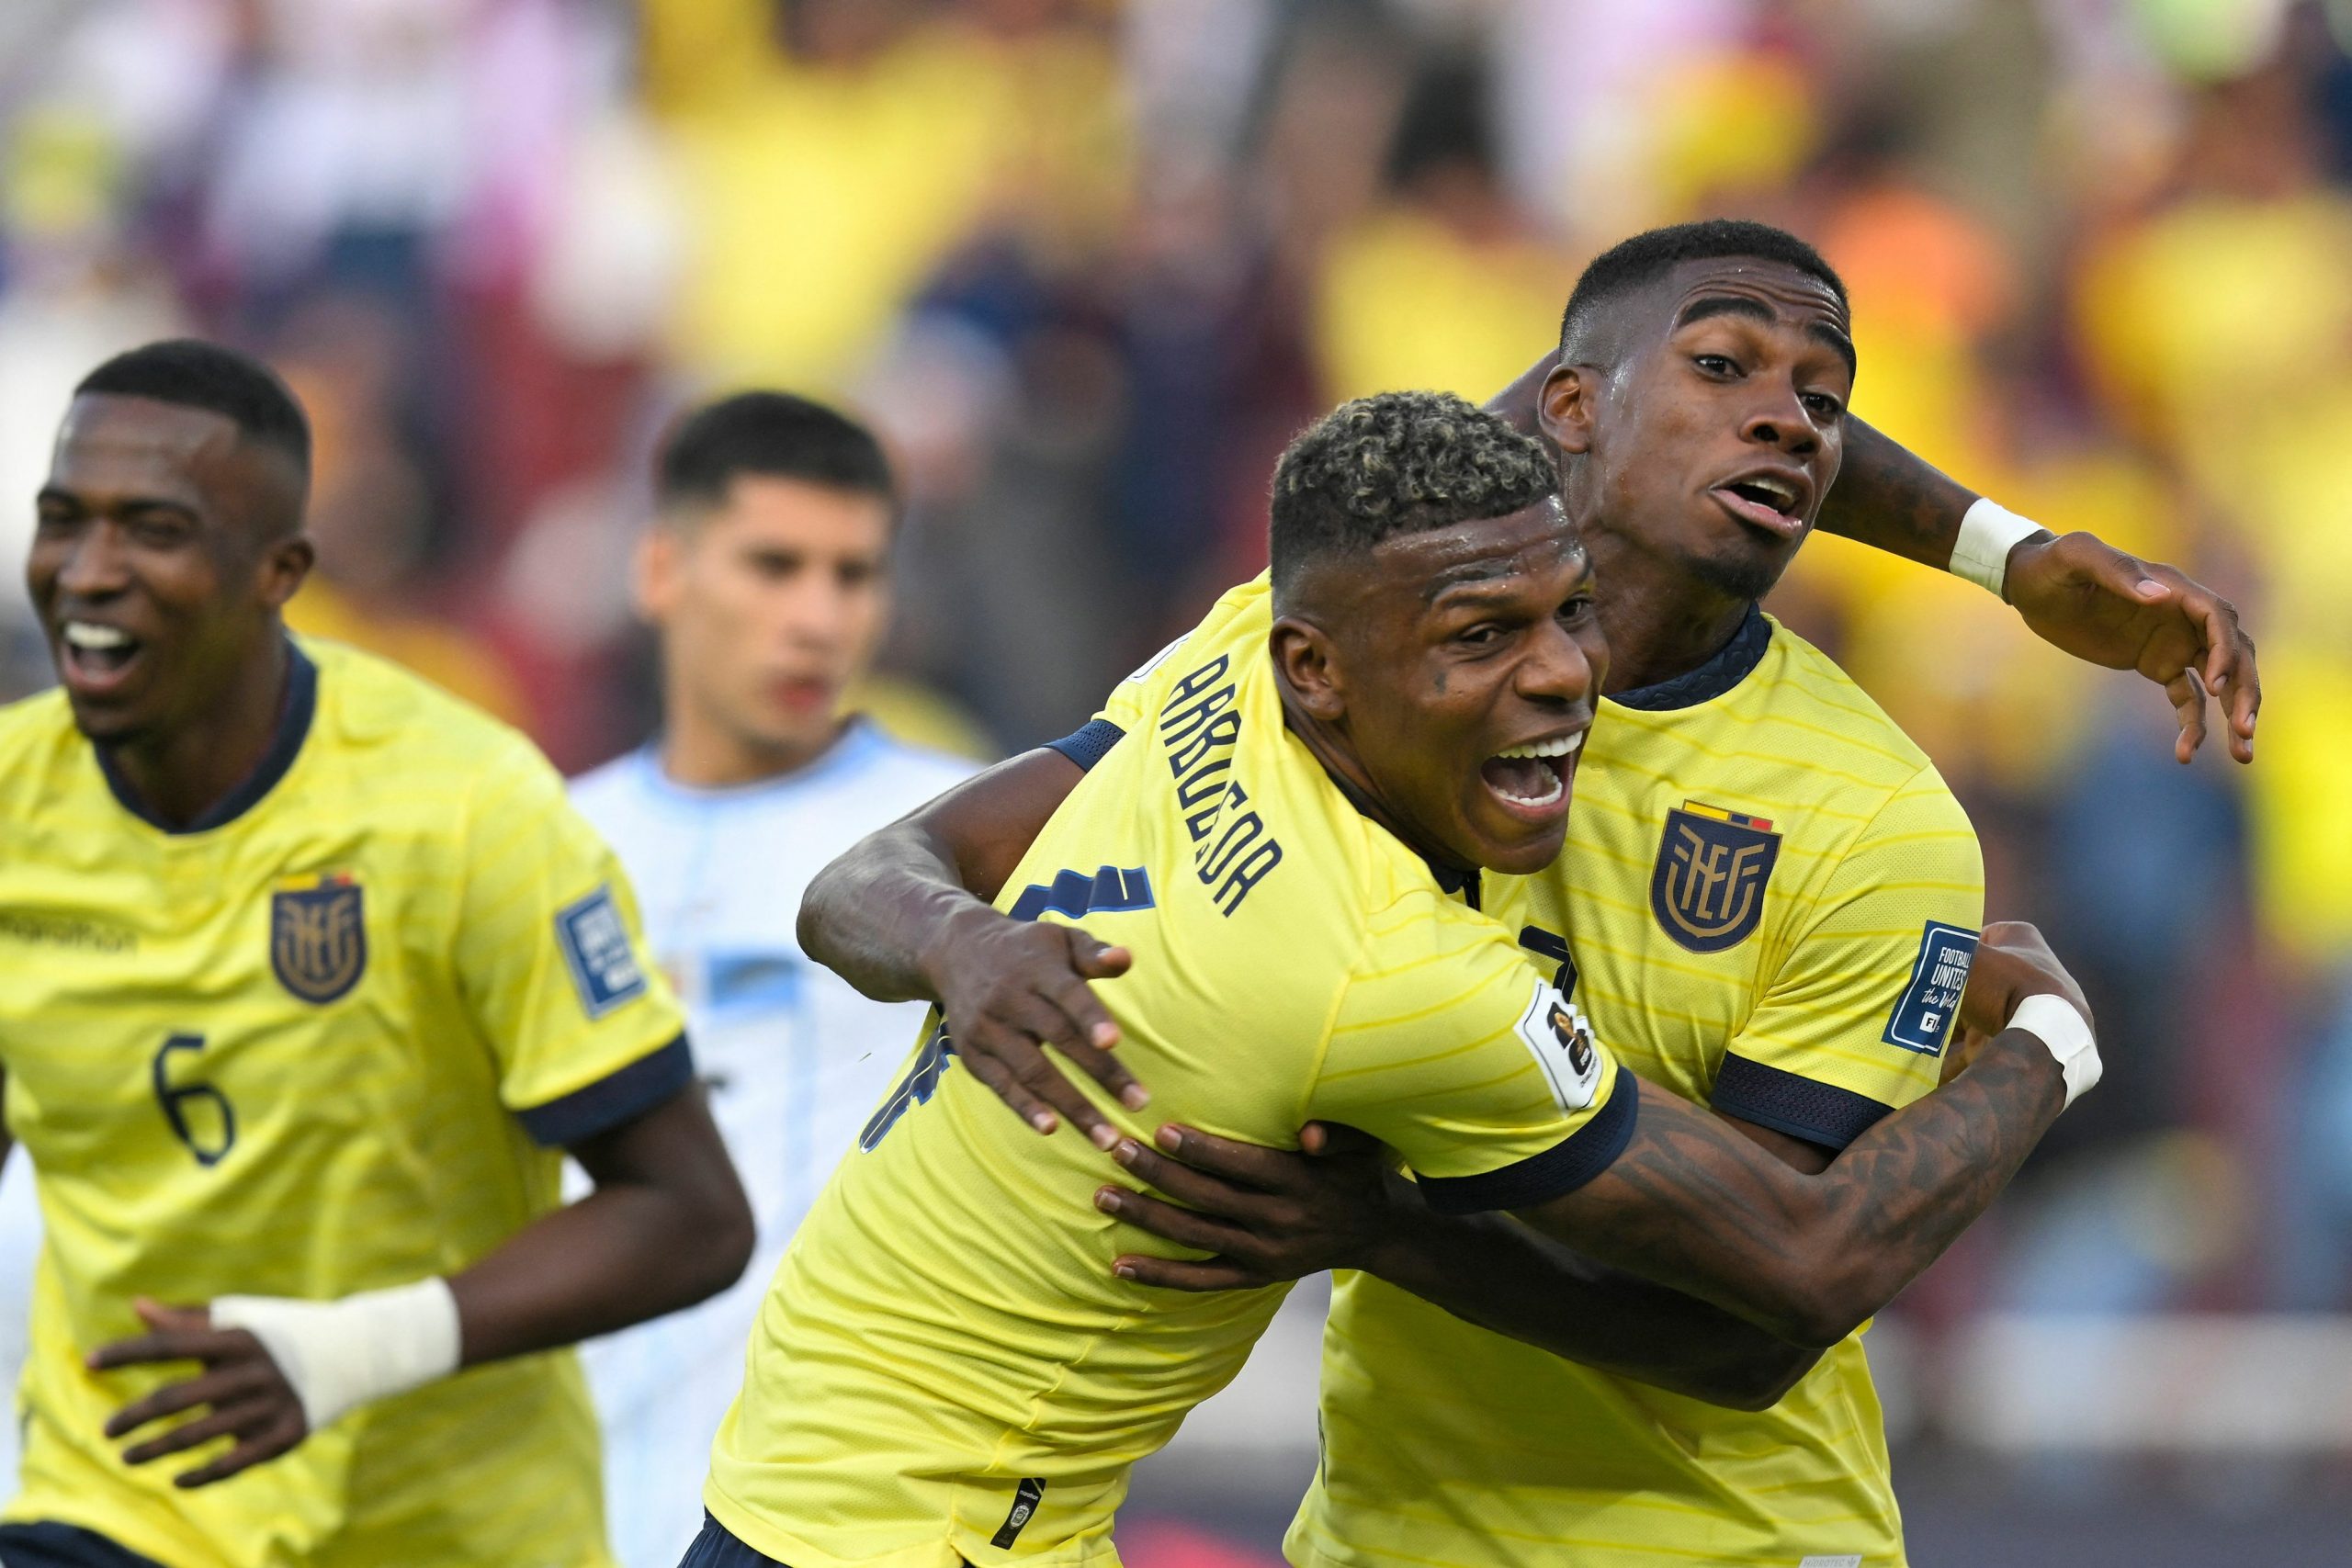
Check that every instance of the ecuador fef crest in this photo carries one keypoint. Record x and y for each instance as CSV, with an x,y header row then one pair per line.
x,y
1707,888
317,943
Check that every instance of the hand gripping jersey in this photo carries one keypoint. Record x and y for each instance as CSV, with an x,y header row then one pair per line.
x,y
1767,904
945,1365
793,1058
328,1040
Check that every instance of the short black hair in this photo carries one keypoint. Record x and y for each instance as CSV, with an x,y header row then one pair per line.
x,y
1397,463
1644,258
770,433
194,374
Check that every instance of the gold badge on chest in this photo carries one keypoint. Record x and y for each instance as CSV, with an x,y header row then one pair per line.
x,y
317,938
1707,886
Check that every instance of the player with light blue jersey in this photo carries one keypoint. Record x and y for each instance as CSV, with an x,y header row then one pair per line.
x,y
765,575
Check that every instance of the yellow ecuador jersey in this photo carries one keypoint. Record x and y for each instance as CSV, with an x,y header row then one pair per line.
x,y
1767,904
324,1040
945,1364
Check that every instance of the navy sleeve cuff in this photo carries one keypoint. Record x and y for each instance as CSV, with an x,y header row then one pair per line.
x,y
609,1101
1091,744
1558,1171
1801,1107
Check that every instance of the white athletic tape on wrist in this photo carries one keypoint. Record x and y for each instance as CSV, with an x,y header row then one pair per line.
x,y
2054,1022
339,1354
1988,532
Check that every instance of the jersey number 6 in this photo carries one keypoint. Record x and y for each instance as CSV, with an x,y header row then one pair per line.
x,y
176,1102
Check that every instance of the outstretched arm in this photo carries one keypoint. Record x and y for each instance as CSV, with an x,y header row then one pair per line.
x,y
2073,591
1268,1216
904,914
1693,1204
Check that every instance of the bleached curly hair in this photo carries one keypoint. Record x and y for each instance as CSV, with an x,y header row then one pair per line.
x,y
1396,463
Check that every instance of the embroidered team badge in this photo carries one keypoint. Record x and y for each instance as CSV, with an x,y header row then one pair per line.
x,y
1707,888
317,938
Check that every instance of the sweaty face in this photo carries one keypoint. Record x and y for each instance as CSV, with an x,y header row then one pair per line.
x,y
771,604
149,569
1470,661
1719,430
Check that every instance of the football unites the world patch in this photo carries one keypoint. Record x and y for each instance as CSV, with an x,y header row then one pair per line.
x,y
1922,1015
1556,1032
318,936
595,949
1707,887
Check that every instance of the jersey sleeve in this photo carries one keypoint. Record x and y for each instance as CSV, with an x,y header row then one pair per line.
x,y
1450,1048
1854,1023
553,966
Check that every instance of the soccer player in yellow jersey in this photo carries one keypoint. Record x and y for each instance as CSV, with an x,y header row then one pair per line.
x,y
1767,904
312,979
1291,841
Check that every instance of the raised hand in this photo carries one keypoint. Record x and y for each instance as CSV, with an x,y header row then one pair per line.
x,y
241,1392
2110,608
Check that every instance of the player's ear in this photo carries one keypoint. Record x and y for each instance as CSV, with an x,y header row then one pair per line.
x,y
1566,406
1305,658
654,572
284,567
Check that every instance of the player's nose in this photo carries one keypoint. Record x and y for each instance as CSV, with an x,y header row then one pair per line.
x,y
96,564
1778,419
1557,672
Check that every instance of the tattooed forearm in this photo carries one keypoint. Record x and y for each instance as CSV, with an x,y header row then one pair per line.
x,y
1694,1205
1892,500
1492,1272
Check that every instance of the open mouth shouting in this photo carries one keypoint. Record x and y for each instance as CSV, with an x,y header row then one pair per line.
x,y
1774,499
1531,780
95,658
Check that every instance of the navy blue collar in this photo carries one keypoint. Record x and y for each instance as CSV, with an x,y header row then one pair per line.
x,y
1725,667
295,711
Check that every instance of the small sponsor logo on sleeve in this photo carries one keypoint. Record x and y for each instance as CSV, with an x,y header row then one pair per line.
x,y
1556,1033
597,950
1922,1017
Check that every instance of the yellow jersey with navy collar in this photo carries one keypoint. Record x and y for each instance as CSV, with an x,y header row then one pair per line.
x,y
1768,903
945,1366
329,1038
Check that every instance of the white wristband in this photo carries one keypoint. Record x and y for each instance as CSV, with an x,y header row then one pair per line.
x,y
339,1354
1988,532
2054,1022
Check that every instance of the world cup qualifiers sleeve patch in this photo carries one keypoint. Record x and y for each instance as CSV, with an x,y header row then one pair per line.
x,y
1922,1017
1556,1032
595,947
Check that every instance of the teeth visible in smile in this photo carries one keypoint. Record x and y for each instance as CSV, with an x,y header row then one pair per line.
x,y
1780,491
1567,746
1557,785
81,634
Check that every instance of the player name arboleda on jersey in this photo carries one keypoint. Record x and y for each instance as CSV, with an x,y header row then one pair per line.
x,y
1233,850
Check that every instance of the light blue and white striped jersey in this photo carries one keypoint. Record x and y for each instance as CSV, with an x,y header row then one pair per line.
x,y
796,1061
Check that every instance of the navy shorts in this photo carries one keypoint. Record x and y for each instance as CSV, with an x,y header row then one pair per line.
x,y
715,1548
63,1546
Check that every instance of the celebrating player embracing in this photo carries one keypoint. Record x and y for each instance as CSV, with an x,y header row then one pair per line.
x,y
946,1365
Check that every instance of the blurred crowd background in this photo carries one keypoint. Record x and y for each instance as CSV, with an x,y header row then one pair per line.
x,y
1088,264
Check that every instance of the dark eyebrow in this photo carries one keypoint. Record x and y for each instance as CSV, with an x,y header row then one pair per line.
x,y
1463,586
1707,305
